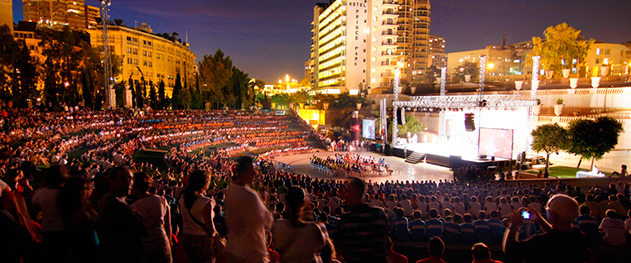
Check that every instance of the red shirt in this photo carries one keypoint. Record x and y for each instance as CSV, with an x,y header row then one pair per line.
x,y
431,259
488,260
394,257
274,257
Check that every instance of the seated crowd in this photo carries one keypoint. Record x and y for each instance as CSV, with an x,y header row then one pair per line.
x,y
95,209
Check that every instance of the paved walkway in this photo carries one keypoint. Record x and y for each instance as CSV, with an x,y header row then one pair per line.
x,y
402,171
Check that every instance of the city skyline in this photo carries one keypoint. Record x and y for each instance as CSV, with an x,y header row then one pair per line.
x,y
268,39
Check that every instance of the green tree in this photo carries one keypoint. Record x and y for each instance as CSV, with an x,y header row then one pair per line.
x,y
561,46
153,95
61,60
161,95
9,52
214,75
591,139
133,92
176,97
301,96
240,88
196,99
139,96
467,68
550,138
280,100
119,89
24,86
412,125
431,74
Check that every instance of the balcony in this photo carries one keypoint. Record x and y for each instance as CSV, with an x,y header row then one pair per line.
x,y
387,75
390,2
388,63
390,23
386,43
385,53
390,13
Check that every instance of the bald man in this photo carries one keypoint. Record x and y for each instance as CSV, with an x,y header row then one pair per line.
x,y
560,242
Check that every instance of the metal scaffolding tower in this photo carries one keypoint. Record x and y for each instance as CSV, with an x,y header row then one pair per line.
x,y
466,102
110,95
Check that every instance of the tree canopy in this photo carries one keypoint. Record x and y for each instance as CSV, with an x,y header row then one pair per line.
x,y
591,139
467,68
550,138
214,75
563,47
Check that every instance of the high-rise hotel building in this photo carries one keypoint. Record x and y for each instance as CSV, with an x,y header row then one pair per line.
x,y
59,13
358,44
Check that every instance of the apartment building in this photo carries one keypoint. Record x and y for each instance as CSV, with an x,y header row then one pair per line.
x,y
147,55
59,13
358,44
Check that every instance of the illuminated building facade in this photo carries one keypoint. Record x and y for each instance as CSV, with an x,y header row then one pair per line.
x,y
413,37
58,13
615,58
148,55
6,13
358,44
436,56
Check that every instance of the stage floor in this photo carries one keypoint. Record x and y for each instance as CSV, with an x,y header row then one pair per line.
x,y
402,171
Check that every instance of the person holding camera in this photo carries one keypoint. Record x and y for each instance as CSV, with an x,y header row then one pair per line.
x,y
560,242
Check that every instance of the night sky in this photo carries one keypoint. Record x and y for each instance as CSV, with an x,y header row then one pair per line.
x,y
270,38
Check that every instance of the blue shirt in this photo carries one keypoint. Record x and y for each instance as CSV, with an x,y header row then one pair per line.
x,y
497,230
482,231
467,235
400,228
434,228
589,225
417,227
451,233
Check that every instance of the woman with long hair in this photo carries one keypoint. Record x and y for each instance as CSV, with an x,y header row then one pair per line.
x,y
294,239
156,214
79,220
197,214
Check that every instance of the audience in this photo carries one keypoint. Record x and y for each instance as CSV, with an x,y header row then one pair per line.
x,y
155,213
246,216
294,239
120,228
197,217
161,208
435,248
560,242
481,254
362,232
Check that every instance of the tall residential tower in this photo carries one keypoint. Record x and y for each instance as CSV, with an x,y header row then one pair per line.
x,y
358,44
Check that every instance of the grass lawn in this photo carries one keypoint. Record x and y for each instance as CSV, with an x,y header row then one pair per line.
x,y
152,157
559,171
77,153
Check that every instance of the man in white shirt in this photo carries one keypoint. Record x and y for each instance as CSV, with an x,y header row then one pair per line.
x,y
246,217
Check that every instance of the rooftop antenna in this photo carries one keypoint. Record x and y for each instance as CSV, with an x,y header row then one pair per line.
x,y
504,42
186,36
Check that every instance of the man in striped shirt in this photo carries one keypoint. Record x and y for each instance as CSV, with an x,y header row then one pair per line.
x,y
362,232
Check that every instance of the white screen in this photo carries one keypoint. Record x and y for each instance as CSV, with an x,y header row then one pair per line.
x,y
496,142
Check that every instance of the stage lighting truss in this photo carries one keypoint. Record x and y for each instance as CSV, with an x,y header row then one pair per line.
x,y
466,102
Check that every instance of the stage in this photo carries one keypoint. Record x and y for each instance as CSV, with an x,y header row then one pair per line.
x,y
402,171
450,156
